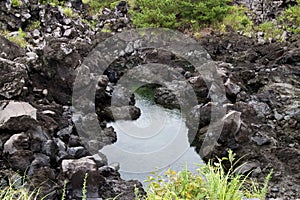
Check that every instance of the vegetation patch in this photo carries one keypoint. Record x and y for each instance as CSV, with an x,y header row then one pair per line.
x,y
237,19
68,12
96,6
16,3
178,14
18,189
290,18
211,182
18,37
270,30
34,25
53,2
146,92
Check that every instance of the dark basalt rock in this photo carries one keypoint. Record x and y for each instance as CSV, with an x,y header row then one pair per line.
x,y
267,100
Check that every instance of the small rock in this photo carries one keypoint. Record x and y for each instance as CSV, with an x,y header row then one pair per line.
x,y
64,134
291,145
77,152
100,159
36,33
20,160
48,112
277,116
45,92
260,140
32,55
115,166
274,189
67,21
287,117
246,167
49,148
57,32
16,142
26,16
232,88
129,48
68,33
40,160
48,30
106,11
71,166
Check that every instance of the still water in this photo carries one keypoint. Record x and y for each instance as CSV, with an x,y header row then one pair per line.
x,y
156,141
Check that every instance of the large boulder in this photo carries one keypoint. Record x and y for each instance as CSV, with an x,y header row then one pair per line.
x,y
13,77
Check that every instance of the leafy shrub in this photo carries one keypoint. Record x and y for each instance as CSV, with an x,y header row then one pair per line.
x,y
156,13
211,182
237,19
178,13
202,12
17,189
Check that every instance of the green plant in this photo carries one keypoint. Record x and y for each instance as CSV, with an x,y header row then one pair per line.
x,y
92,23
63,197
16,3
84,190
18,189
211,182
257,189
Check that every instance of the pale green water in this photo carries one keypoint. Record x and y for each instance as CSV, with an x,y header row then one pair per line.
x,y
157,140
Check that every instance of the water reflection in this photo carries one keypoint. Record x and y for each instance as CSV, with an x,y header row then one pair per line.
x,y
156,141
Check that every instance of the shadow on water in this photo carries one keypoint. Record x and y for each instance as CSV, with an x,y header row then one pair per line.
x,y
156,141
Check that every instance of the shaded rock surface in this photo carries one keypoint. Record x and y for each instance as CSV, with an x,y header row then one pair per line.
x,y
267,78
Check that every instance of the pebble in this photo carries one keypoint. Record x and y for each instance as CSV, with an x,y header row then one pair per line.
x,y
277,116
50,112
45,92
36,33
115,166
32,55
67,21
274,189
68,32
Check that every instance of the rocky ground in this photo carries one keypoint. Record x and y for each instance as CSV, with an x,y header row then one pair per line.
x,y
262,85
37,132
